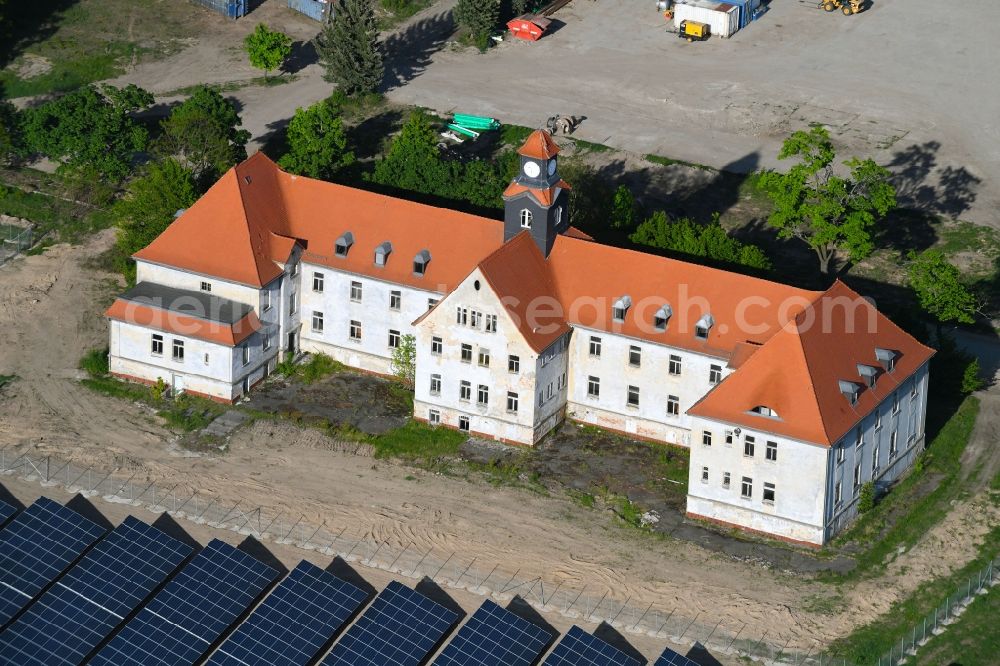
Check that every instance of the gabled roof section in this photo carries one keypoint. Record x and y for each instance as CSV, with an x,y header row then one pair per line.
x,y
545,197
519,275
798,371
539,145
170,321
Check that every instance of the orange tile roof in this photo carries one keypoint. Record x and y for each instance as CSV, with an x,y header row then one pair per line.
x,y
539,145
545,197
519,275
181,324
797,372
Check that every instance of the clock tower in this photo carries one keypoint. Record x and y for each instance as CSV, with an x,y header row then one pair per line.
x,y
537,200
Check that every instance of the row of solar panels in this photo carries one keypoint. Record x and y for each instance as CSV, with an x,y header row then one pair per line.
x,y
71,592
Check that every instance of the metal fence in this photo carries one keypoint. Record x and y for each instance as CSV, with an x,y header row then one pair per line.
x,y
936,622
15,240
228,8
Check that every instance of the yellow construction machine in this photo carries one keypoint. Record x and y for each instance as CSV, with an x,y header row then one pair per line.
x,y
847,6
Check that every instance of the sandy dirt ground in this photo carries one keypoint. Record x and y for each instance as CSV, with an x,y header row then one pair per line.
x,y
51,316
886,83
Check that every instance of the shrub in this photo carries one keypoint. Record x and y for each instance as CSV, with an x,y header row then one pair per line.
x,y
866,501
95,362
971,381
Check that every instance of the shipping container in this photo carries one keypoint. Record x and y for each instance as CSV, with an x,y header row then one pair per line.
x,y
314,9
722,17
228,8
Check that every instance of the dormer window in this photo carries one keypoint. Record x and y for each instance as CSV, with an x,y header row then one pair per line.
x,y
420,262
887,358
662,317
868,374
764,411
703,326
850,391
382,253
526,218
343,244
620,307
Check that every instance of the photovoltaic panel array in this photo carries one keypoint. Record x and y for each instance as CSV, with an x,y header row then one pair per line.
x,y
671,658
578,648
84,606
192,612
494,636
293,624
401,627
36,547
6,511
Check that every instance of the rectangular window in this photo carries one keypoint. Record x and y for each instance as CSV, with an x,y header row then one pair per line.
x,y
293,270
355,330
593,387
483,395
857,478
491,323
435,384
841,454
726,479
317,322
512,402
466,353
748,446
895,403
618,314
267,341
463,423
878,419
595,346
892,445
318,282
246,354
561,382
633,396
265,300
395,300
706,437
461,316
178,350
431,302
859,439
768,493
206,286
465,391
746,490
729,438
356,292
484,357
771,452
714,374
291,303
875,462
434,417
838,494
673,405
206,359
156,345
393,339
475,319
436,345
634,356
704,475
675,365
513,364
548,391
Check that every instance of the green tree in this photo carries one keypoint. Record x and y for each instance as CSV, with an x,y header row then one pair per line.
x,y
317,143
404,360
150,204
204,134
623,209
267,49
10,133
828,212
698,240
89,128
413,161
971,379
349,48
939,288
866,497
479,17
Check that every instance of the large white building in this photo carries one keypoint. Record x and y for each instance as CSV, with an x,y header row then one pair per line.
x,y
789,400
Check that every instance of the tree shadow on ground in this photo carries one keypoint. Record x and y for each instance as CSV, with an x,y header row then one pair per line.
x,y
274,142
26,23
923,184
408,52
368,137
303,54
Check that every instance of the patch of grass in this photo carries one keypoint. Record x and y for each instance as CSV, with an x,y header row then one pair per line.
x,y
189,412
590,147
903,516
668,161
626,510
70,73
417,441
317,367
514,135
824,604
394,12
95,362
972,641
233,86
584,499
6,379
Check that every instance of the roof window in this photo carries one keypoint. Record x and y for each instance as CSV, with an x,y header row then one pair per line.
x,y
850,391
887,358
382,253
420,262
703,326
620,307
662,317
343,244
764,411
869,373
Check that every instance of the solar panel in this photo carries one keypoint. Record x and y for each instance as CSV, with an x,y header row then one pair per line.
x,y
95,596
192,612
578,648
494,636
36,547
6,511
401,627
294,622
671,658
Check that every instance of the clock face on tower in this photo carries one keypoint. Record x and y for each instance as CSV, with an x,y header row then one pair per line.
x,y
531,169
552,167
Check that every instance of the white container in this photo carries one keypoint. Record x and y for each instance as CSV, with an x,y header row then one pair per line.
x,y
723,19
